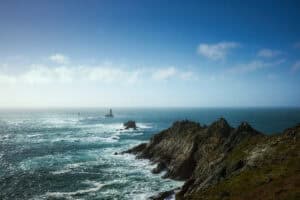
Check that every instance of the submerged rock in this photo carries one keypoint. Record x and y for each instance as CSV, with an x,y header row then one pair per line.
x,y
163,195
159,168
209,156
130,124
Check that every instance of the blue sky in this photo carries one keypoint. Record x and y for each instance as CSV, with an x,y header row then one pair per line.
x,y
149,53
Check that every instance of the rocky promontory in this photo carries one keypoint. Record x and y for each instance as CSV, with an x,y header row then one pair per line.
x,y
222,162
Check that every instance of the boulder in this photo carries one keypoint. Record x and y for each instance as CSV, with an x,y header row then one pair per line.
x,y
130,124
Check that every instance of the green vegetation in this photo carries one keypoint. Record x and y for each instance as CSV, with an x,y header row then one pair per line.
x,y
275,176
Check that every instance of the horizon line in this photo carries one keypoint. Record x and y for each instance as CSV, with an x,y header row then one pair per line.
x,y
141,107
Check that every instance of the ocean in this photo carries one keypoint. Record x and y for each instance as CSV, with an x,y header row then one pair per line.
x,y
58,154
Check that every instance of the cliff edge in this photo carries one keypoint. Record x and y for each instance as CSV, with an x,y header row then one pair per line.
x,y
222,162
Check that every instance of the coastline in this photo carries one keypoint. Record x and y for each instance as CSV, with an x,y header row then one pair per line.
x,y
211,158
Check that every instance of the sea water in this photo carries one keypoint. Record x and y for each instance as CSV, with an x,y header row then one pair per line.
x,y
70,153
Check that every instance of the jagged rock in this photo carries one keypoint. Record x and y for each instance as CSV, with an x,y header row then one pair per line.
x,y
244,127
162,195
159,168
206,156
130,124
137,149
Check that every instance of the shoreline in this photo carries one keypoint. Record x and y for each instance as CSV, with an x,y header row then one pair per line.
x,y
206,157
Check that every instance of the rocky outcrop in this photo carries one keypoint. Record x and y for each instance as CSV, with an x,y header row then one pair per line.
x,y
130,124
163,195
208,156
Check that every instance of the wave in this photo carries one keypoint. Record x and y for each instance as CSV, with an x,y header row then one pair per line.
x,y
78,138
59,121
91,139
69,167
5,137
63,171
144,125
34,135
142,196
96,186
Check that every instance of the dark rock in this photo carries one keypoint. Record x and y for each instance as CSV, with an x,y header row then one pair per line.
x,y
163,195
245,128
130,124
159,168
137,149
207,155
186,186
221,127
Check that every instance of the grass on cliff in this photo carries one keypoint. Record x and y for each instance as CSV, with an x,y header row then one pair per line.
x,y
276,176
243,149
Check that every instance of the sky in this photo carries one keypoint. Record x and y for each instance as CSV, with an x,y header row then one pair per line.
x,y
142,53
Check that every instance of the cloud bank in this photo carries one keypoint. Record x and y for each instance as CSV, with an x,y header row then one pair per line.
x,y
268,53
59,59
253,66
216,51
41,74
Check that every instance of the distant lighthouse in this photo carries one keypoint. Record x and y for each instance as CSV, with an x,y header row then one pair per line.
x,y
110,114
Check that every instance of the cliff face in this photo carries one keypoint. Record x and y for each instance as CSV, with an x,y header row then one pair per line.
x,y
221,162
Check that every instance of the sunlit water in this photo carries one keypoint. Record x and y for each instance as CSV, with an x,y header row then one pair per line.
x,y
58,154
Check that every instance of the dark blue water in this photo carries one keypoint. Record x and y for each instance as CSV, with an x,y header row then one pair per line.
x,y
56,154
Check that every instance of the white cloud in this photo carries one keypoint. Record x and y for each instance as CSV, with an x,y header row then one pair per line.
x,y
188,75
7,79
164,73
296,66
41,74
172,72
109,74
268,53
253,66
59,58
216,51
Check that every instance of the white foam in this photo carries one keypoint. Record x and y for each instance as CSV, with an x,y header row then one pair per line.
x,y
88,139
96,186
144,125
141,196
110,126
68,168
5,137
77,165
60,121
63,171
34,135
136,134
111,139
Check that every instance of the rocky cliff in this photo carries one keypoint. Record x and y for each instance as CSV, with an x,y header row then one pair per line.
x,y
222,162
